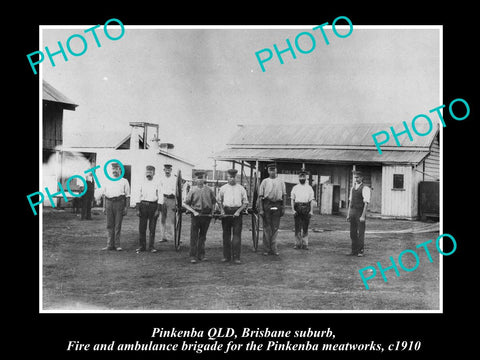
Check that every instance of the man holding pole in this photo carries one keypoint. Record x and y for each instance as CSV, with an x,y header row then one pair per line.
x,y
200,201
271,204
232,200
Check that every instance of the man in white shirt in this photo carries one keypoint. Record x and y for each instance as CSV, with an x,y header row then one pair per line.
x,y
357,211
232,200
116,201
148,209
168,186
301,198
271,204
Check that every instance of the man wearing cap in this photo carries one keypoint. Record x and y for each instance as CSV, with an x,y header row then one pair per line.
x,y
356,214
148,209
271,204
116,201
168,185
200,201
232,200
301,198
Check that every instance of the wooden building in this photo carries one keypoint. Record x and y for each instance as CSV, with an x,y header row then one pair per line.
x,y
53,156
54,103
331,152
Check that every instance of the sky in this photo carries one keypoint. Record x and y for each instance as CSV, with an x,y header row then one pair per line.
x,y
200,84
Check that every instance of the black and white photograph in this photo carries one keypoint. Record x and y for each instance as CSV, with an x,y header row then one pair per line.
x,y
209,181
276,168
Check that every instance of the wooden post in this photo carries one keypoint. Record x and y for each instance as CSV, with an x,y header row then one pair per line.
x,y
241,173
145,134
251,180
350,182
58,172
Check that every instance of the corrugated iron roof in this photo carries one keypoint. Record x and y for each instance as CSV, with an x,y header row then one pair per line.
x,y
176,157
322,155
94,139
331,134
52,94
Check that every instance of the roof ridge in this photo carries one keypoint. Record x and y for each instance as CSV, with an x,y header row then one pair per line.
x,y
323,134
335,124
54,94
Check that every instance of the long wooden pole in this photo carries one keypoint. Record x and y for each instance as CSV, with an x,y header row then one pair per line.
x,y
241,173
251,180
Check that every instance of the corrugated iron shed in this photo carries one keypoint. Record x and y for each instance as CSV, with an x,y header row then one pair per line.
x,y
332,143
322,155
331,134
51,94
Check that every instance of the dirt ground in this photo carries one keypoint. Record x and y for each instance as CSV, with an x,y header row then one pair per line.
x,y
78,276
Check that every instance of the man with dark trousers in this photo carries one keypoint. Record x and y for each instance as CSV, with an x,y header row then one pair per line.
x,y
87,199
200,201
301,198
357,211
232,200
116,201
271,204
148,210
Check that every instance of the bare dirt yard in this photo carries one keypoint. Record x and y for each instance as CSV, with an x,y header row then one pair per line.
x,y
76,275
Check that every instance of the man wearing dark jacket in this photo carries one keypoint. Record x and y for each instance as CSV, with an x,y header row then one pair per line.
x,y
87,199
357,211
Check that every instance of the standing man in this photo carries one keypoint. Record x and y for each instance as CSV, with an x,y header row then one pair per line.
x,y
271,204
201,202
357,211
87,199
148,210
167,187
116,201
302,197
232,200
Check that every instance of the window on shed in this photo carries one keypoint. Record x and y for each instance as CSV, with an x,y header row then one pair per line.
x,y
398,181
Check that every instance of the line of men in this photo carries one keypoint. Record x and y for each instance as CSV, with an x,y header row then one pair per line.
x,y
154,198
157,197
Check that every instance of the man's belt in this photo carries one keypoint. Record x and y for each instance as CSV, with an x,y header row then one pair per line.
x,y
231,209
272,204
273,201
203,211
148,202
169,196
116,198
302,207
